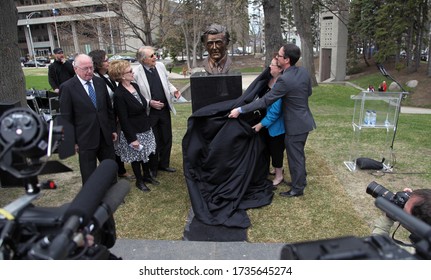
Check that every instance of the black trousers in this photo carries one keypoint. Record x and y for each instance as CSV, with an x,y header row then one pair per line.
x,y
295,145
162,128
276,148
88,159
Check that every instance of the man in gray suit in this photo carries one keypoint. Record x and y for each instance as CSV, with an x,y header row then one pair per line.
x,y
152,78
294,87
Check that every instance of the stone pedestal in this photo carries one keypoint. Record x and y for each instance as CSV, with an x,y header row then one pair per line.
x,y
209,89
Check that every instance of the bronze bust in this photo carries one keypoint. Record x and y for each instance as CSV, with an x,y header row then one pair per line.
x,y
216,39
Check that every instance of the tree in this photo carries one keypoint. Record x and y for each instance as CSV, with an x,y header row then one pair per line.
x,y
141,19
12,83
273,38
303,13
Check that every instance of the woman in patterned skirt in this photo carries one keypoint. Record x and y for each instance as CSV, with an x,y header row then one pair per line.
x,y
137,143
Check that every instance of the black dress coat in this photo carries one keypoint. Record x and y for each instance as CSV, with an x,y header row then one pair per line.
x,y
89,124
131,113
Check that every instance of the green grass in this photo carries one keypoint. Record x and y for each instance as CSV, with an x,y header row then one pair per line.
x,y
335,203
36,78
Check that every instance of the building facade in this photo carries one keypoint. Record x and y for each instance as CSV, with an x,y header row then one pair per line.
x,y
75,26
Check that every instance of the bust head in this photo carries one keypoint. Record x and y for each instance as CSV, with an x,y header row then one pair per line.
x,y
216,38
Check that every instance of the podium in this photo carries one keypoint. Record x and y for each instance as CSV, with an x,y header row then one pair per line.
x,y
374,123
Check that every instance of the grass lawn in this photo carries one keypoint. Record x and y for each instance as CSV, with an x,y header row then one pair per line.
x,y
335,203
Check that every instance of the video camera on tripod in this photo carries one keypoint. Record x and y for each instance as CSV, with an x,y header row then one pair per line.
x,y
376,247
30,232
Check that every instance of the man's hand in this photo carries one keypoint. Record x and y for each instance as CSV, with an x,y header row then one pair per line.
x,y
114,136
177,94
234,113
157,104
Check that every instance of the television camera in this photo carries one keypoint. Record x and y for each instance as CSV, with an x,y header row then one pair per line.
x,y
376,247
81,229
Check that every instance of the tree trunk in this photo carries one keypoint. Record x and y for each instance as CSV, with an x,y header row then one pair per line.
x,y
302,10
429,53
12,83
273,37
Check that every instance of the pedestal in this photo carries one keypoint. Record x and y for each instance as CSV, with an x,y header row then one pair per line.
x,y
209,89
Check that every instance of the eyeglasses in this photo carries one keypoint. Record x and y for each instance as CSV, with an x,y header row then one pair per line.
x,y
85,69
274,65
152,55
129,72
279,55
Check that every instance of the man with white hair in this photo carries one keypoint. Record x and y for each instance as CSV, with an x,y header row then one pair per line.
x,y
86,107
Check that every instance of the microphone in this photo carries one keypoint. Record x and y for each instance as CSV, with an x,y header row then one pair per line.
x,y
88,199
113,198
80,211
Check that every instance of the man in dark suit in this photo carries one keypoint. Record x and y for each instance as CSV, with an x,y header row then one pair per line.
x,y
85,105
152,78
294,87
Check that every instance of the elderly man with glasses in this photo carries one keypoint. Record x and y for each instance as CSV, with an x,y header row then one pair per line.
x,y
86,109
152,78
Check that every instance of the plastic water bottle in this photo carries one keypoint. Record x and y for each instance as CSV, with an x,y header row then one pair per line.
x,y
373,118
367,118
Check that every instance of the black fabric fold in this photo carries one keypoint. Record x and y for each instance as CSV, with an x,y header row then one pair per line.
x,y
225,161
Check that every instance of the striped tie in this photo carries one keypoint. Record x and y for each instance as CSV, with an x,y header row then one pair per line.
x,y
92,94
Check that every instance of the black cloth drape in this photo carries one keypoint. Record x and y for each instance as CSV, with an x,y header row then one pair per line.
x,y
225,162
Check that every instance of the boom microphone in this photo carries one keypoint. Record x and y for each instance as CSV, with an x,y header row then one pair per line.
x,y
88,199
113,198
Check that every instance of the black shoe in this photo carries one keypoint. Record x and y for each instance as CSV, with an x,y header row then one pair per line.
x,y
167,169
291,193
151,180
142,186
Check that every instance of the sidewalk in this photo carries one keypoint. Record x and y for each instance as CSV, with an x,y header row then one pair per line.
x,y
247,79
130,249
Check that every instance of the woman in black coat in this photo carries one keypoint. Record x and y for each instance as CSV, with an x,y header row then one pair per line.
x,y
137,143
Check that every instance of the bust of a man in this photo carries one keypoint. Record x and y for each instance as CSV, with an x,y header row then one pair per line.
x,y
216,40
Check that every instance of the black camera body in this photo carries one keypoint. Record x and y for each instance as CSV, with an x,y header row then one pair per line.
x,y
31,232
375,247
400,198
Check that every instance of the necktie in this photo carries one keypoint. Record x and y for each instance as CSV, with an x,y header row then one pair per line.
x,y
92,93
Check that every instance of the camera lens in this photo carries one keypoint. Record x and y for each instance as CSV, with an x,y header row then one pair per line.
x,y
399,199
374,189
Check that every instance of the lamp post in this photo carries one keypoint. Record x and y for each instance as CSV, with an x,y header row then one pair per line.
x,y
55,12
31,37
110,31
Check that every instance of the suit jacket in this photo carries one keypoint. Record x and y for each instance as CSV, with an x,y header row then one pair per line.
x,y
294,87
132,114
89,124
144,87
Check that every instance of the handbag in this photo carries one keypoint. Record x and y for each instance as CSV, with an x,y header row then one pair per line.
x,y
368,163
